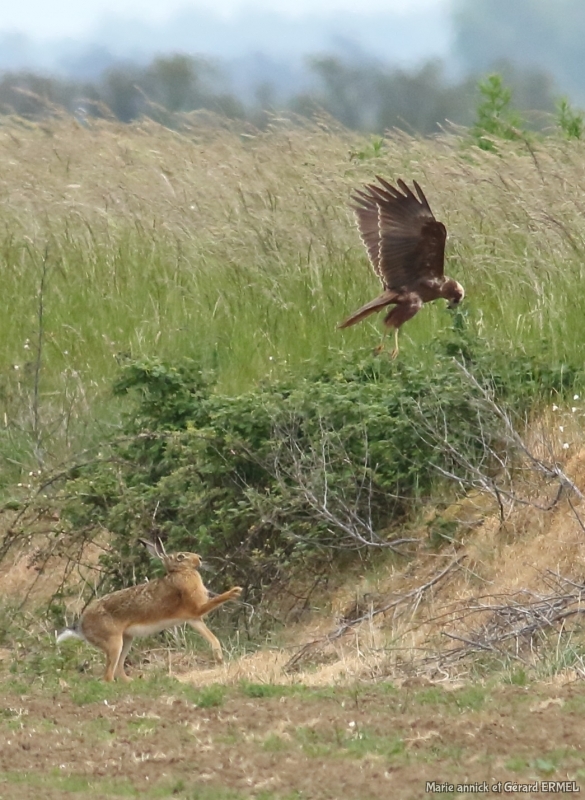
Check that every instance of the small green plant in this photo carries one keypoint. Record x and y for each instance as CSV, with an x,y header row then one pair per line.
x,y
211,696
516,764
78,784
433,696
495,118
85,690
93,690
361,743
471,697
143,726
570,121
353,741
275,744
270,689
518,677
373,149
545,765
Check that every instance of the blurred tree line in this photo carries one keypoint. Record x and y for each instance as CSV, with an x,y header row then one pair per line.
x,y
363,95
533,44
536,34
126,92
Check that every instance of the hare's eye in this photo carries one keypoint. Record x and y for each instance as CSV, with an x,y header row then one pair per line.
x,y
180,556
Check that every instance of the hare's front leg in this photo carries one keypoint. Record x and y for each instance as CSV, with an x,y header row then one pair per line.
x,y
219,600
201,627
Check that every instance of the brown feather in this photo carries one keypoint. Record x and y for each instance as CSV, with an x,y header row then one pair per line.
x,y
404,241
406,246
369,308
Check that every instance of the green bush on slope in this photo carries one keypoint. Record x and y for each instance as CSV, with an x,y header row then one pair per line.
x,y
296,471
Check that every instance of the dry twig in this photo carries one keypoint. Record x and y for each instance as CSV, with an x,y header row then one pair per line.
x,y
415,596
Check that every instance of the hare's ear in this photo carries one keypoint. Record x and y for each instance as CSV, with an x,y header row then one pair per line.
x,y
160,548
155,548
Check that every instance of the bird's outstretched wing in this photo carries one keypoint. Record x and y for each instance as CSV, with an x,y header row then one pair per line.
x,y
404,241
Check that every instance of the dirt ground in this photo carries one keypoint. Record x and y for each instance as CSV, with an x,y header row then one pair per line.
x,y
248,730
266,742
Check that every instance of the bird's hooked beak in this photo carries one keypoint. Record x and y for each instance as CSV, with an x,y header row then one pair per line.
x,y
456,297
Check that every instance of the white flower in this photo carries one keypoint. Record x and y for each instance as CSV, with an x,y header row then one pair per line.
x,y
561,428
573,409
566,446
575,397
351,724
555,408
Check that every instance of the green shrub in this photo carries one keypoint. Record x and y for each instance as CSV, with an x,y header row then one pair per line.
x,y
296,472
495,117
571,122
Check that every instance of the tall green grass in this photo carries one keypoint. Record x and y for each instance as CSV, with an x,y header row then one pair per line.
x,y
238,249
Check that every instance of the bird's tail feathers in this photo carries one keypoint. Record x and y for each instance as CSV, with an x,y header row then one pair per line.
x,y
369,308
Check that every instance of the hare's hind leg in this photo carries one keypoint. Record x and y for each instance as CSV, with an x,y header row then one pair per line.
x,y
112,647
202,628
126,644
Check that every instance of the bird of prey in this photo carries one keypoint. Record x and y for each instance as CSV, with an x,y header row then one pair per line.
x,y
406,246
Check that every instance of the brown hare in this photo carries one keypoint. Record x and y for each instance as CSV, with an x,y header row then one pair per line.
x,y
111,622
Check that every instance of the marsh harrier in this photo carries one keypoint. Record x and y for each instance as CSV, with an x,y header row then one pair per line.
x,y
406,246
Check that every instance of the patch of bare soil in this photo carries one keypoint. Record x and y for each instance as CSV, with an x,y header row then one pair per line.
x,y
367,743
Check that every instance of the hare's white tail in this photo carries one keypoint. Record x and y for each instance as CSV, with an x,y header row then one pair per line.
x,y
69,633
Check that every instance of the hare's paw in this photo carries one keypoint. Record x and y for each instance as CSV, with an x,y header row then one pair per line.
x,y
236,591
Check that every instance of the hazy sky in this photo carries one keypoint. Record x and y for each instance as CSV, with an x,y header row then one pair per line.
x,y
40,18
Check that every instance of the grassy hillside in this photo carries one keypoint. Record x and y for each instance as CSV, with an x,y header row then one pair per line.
x,y
238,249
